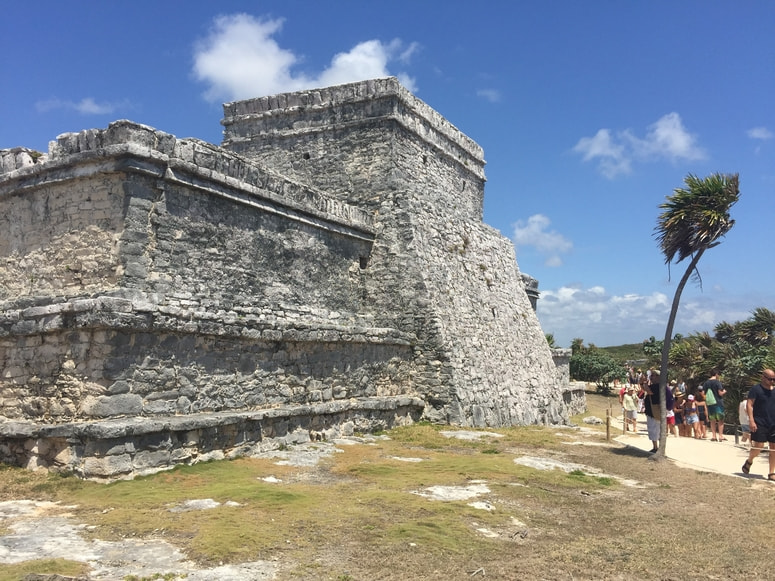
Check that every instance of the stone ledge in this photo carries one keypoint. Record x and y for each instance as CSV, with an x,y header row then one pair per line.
x,y
134,426
141,313
132,147
113,449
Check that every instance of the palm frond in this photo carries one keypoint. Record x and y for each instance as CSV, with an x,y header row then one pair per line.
x,y
696,216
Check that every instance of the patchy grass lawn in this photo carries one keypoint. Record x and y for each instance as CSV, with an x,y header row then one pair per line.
x,y
357,514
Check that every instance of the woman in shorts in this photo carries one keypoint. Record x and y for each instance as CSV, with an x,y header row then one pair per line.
x,y
692,417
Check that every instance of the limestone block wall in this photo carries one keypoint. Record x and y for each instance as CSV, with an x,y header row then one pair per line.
x,y
140,277
346,141
329,261
481,355
58,241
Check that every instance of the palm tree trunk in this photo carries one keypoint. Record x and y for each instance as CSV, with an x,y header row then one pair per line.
x,y
663,379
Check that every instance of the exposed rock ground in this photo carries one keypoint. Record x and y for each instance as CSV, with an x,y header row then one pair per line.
x,y
48,530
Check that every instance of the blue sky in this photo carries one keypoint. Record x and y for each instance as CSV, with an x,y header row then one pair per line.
x,y
589,113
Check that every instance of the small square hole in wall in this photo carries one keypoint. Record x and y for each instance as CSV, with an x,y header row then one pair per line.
x,y
364,262
305,155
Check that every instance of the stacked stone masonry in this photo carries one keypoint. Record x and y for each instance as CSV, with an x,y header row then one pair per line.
x,y
328,263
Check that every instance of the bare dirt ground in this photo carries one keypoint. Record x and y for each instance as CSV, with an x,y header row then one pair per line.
x,y
419,503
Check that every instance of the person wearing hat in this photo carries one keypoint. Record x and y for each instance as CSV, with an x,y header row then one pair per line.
x,y
631,404
691,417
678,388
678,409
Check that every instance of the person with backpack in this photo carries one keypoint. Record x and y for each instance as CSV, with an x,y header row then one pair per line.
x,y
714,393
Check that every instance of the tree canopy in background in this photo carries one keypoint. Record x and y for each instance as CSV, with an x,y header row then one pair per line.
x,y
594,366
739,350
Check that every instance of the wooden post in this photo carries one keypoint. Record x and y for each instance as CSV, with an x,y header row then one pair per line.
x,y
608,423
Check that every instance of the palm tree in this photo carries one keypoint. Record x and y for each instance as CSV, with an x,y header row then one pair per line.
x,y
693,220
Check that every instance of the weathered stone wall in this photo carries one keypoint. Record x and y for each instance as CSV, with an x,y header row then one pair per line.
x,y
96,358
331,253
140,285
59,240
454,280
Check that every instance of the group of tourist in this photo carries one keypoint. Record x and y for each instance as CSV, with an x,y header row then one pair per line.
x,y
693,412
690,412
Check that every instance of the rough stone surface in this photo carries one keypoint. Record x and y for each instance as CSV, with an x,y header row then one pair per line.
x,y
331,250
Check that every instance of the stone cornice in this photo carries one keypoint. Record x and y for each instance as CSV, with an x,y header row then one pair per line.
x,y
133,148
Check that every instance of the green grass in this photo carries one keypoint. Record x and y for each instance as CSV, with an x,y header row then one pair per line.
x,y
357,512
272,517
43,567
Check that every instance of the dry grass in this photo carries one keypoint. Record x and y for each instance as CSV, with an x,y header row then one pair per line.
x,y
354,516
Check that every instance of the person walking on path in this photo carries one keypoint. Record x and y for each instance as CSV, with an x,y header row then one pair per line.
x,y
742,416
761,420
714,393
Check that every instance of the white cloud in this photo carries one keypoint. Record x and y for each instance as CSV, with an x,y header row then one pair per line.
x,y
759,133
666,139
548,243
598,317
87,106
240,59
491,95
611,156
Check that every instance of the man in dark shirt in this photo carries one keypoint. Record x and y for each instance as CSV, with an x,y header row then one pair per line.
x,y
761,417
715,391
652,409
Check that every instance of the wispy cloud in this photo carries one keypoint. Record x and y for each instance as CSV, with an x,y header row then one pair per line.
x,y
240,59
666,139
598,317
761,133
491,95
610,154
549,243
87,106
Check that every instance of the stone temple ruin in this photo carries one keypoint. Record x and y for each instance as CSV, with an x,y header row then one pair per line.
x,y
325,270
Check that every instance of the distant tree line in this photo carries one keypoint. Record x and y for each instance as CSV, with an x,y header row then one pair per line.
x,y
594,365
